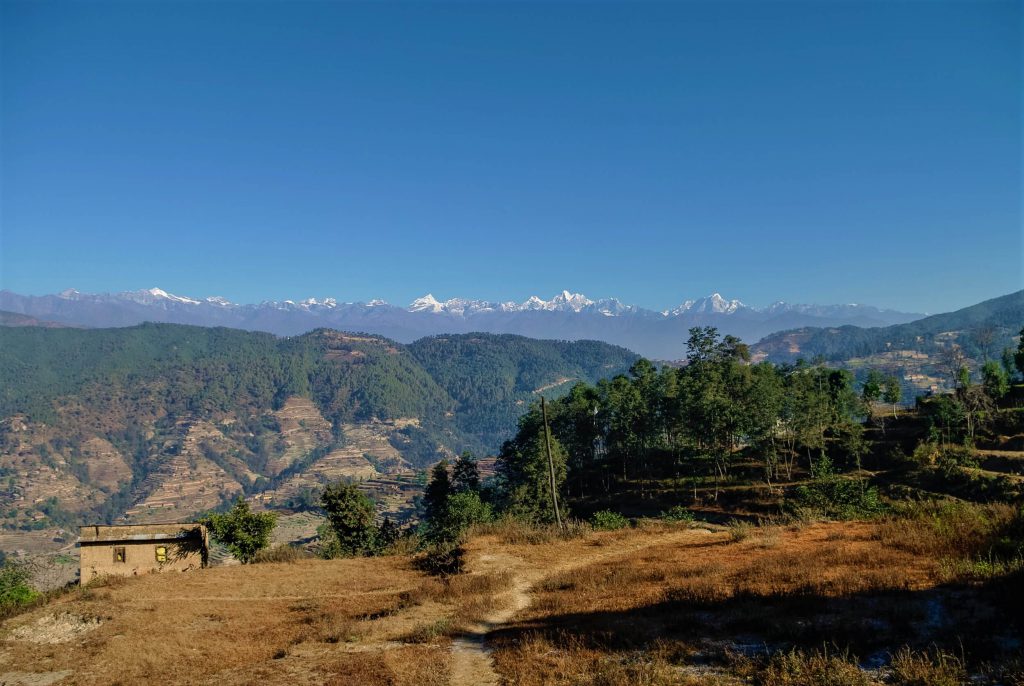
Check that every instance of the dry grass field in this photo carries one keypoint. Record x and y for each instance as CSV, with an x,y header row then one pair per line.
x,y
657,604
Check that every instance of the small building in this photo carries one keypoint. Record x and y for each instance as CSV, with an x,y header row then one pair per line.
x,y
141,548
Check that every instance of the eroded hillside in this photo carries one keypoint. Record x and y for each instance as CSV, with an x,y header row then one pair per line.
x,y
161,422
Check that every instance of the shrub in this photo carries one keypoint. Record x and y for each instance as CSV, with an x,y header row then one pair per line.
x,y
513,531
739,530
606,520
927,669
797,668
442,559
455,516
15,590
677,513
243,531
833,496
956,528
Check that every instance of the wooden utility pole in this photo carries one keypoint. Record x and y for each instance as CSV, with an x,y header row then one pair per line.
x,y
551,463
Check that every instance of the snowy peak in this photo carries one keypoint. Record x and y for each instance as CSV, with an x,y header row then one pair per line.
x,y
152,296
712,304
569,301
717,304
566,302
427,303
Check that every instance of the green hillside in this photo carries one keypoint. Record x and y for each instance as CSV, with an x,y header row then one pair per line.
x,y
94,421
981,331
491,378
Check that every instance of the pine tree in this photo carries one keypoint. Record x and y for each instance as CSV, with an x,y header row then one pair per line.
x,y
435,498
465,474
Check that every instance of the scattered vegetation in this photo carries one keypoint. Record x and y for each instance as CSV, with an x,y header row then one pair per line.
x,y
15,590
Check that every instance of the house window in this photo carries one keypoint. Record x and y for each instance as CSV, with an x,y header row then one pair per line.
x,y
119,555
161,553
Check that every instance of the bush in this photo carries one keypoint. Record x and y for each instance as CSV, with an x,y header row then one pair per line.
x,y
739,530
282,553
243,531
958,529
927,669
451,520
833,496
442,559
606,520
797,668
15,590
677,513
513,531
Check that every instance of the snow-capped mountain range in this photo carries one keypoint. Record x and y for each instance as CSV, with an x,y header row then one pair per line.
x,y
567,315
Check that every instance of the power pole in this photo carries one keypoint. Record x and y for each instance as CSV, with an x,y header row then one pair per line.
x,y
551,463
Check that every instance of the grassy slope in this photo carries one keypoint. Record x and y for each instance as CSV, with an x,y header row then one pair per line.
x,y
660,604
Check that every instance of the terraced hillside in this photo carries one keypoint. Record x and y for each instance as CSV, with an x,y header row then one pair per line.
x,y
160,422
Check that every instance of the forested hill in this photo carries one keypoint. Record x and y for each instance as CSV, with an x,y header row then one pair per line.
x,y
107,421
981,331
477,378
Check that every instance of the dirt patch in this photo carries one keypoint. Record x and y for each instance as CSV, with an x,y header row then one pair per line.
x,y
32,678
56,628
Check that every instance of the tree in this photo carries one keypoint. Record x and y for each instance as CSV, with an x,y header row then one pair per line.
x,y
387,535
350,513
523,465
1018,357
241,530
872,388
465,475
435,497
461,511
985,337
893,392
994,380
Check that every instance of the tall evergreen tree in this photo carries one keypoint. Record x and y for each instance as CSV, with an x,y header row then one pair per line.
x,y
465,474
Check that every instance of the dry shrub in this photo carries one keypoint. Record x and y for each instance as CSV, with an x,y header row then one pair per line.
x,y
950,528
739,530
107,581
430,632
512,531
765,537
818,668
934,668
543,660
282,553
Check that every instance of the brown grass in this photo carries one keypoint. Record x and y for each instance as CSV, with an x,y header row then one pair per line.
x,y
783,591
309,621
648,605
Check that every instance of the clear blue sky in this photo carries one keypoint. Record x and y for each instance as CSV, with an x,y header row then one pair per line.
x,y
807,151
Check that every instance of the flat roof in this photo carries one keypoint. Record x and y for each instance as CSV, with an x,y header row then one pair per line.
x,y
103,533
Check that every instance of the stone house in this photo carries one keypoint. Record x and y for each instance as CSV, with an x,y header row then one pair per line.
x,y
141,548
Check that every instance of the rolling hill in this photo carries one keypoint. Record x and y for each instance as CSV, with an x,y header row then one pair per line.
x,y
159,421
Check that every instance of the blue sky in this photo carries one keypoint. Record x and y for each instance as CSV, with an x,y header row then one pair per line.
x,y
806,151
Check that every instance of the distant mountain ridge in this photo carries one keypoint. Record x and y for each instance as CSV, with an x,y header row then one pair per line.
x,y
567,316
1002,319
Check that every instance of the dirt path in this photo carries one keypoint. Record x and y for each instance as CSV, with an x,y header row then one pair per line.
x,y
471,658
